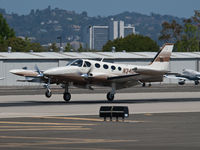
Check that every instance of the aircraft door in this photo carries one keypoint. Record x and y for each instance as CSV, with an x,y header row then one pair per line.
x,y
86,67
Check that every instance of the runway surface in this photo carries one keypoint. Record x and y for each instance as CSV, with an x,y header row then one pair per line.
x,y
159,120
174,131
89,104
35,90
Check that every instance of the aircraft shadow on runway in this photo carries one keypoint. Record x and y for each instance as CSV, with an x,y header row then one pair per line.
x,y
87,102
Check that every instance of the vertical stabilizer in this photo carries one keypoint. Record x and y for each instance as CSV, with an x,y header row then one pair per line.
x,y
161,60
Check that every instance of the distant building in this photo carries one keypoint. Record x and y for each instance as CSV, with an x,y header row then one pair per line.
x,y
129,29
97,36
116,29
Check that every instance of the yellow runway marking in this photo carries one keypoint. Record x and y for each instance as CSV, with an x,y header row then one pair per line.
x,y
136,121
40,126
44,123
91,119
56,141
148,114
46,129
74,118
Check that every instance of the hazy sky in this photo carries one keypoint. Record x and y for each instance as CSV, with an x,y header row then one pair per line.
x,y
180,8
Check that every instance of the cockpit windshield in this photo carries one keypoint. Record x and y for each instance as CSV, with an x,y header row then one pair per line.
x,y
78,62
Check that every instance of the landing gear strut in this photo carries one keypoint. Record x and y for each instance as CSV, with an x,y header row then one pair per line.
x,y
66,94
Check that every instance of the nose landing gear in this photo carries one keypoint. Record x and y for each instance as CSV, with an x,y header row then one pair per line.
x,y
48,93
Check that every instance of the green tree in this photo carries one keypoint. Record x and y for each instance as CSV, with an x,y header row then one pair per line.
x,y
53,47
80,49
171,32
186,37
8,39
189,41
20,45
68,47
132,43
5,31
196,19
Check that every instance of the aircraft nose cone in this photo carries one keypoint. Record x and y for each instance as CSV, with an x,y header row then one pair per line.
x,y
14,71
47,72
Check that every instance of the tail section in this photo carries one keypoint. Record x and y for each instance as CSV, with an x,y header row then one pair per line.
x,y
161,60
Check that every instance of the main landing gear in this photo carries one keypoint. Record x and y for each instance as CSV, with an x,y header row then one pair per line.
x,y
111,94
196,82
66,94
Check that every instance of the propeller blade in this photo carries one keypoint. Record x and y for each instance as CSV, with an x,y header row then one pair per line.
x,y
87,75
38,71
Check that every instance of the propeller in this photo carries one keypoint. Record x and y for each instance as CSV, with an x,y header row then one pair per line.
x,y
87,75
40,74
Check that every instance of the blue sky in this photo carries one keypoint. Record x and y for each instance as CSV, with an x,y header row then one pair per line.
x,y
180,8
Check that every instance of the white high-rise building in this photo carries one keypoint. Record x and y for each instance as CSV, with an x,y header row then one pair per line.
x,y
116,29
120,29
97,36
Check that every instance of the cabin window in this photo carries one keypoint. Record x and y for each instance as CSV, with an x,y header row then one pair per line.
x,y
97,65
113,67
105,66
78,63
87,64
119,68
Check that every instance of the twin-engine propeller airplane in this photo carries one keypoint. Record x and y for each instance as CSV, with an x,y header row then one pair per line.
x,y
84,73
187,74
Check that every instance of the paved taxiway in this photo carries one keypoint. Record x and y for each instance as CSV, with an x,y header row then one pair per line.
x,y
89,104
159,119
174,131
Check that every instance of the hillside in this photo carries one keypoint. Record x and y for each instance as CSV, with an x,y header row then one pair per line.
x,y
44,26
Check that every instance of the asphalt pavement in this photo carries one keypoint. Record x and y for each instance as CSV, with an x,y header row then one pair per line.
x,y
174,131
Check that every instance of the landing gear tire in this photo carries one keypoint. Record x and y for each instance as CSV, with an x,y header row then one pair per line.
x,y
144,84
110,96
196,82
67,97
48,93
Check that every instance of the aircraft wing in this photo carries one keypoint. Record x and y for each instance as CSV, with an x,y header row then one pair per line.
x,y
124,78
171,74
125,81
175,77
